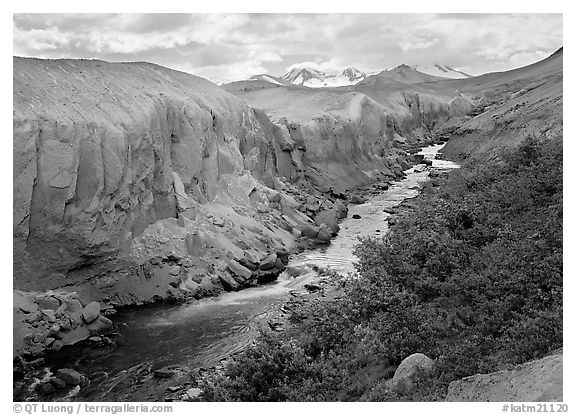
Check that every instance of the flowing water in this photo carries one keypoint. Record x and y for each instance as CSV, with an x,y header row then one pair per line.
x,y
203,332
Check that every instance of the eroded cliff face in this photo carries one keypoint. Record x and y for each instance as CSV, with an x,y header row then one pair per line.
x,y
102,151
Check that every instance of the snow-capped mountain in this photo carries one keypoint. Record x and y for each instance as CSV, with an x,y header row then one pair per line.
x,y
444,71
314,78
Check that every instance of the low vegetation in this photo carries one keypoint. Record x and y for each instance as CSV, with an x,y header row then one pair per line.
x,y
472,278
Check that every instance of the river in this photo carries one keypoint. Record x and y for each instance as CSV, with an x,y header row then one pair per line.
x,y
204,332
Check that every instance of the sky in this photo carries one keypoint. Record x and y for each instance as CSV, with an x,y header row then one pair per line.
x,y
229,47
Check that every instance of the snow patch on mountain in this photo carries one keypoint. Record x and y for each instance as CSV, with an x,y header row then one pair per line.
x,y
444,71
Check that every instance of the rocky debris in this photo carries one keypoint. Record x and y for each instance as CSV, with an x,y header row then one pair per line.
x,y
408,368
91,312
536,381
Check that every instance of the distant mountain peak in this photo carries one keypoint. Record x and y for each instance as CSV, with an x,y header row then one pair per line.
x,y
315,78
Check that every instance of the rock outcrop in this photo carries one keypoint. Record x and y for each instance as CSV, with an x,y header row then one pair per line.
x,y
536,381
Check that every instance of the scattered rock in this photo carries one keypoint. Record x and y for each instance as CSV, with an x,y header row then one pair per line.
x,y
193,287
69,376
312,287
310,231
28,308
101,324
174,388
47,387
324,236
357,199
57,345
91,312
262,208
48,315
47,302
340,208
239,270
194,393
174,270
228,282
58,383
329,218
163,373
269,262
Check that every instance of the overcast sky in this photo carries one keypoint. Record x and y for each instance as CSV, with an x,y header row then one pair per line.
x,y
235,46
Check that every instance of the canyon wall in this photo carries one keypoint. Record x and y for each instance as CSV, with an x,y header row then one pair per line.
x,y
102,151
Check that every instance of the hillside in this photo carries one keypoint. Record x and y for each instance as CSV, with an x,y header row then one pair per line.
x,y
510,106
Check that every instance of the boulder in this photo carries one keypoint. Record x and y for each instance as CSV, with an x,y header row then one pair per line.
x,y
228,282
341,209
357,199
324,236
91,312
193,287
239,270
46,302
274,197
174,270
72,305
269,262
328,217
163,373
194,393
69,376
99,325
208,285
48,315
409,367
250,259
310,231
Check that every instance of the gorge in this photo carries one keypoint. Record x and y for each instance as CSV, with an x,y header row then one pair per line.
x,y
136,184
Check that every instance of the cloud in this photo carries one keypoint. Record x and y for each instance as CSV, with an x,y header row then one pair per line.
x,y
237,45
